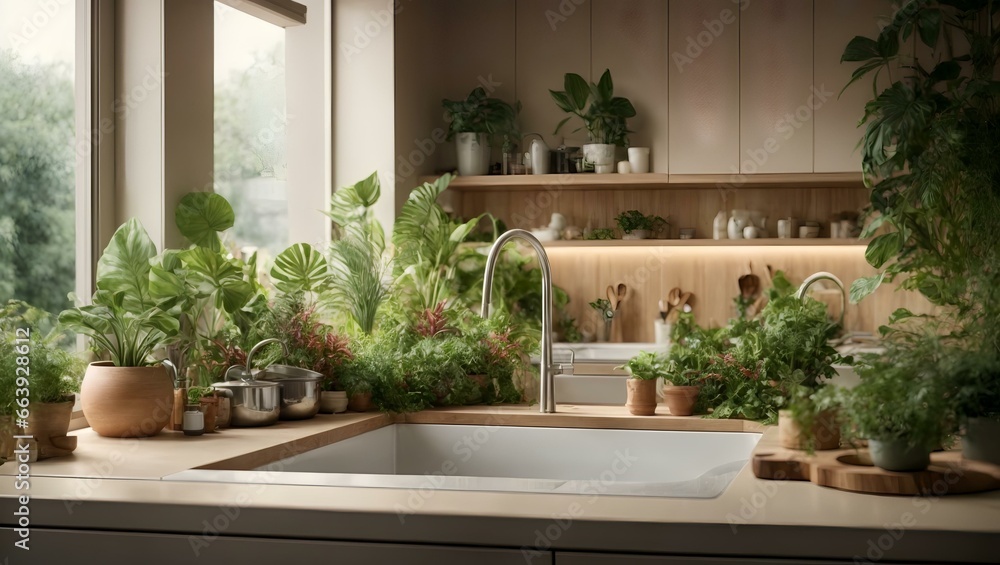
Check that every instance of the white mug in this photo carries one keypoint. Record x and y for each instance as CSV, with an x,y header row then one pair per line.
x,y
638,159
751,232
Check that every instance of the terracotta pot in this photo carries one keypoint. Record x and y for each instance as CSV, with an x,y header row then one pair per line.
x,y
49,424
825,431
360,402
680,399
224,416
641,397
210,408
126,401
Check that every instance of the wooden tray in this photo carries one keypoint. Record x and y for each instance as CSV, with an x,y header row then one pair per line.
x,y
852,470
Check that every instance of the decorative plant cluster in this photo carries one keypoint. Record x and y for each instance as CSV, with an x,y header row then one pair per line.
x,y
479,113
929,150
773,356
634,220
604,115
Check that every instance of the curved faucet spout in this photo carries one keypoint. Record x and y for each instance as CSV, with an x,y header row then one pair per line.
x,y
546,400
825,276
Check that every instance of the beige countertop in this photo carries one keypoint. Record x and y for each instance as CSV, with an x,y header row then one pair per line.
x,y
116,484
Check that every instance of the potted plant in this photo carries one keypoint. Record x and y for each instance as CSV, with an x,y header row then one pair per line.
x,y
473,123
975,375
643,370
206,399
688,365
129,395
636,225
605,315
604,116
900,407
52,378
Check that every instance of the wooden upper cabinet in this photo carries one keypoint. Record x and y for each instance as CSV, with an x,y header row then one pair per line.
x,y
704,86
777,97
630,38
837,131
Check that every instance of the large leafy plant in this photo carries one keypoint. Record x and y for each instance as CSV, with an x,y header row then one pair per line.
x,y
930,146
124,319
604,115
479,113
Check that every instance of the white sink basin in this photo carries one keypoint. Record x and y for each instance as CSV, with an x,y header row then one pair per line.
x,y
518,459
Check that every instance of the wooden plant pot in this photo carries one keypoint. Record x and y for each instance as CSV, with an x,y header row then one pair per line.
x,y
49,424
825,431
641,397
126,401
680,399
360,402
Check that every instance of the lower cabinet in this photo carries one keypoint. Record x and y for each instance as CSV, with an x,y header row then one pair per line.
x,y
563,558
48,547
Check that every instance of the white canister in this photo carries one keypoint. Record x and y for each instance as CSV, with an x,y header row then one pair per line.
x,y
719,226
662,330
784,229
194,421
624,168
539,157
638,159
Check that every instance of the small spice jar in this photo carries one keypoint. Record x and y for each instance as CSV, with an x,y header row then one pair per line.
x,y
194,421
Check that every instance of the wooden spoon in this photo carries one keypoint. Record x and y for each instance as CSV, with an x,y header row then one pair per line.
x,y
749,285
612,298
676,312
622,294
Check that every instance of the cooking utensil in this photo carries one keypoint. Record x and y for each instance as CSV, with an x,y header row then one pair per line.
x,y
622,294
675,312
664,310
612,298
749,285
300,390
254,403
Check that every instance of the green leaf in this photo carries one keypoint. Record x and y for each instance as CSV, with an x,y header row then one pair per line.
x,y
562,100
883,248
929,27
888,43
622,107
577,90
124,266
864,286
299,268
561,124
872,227
213,275
900,314
860,49
200,217
946,70
605,86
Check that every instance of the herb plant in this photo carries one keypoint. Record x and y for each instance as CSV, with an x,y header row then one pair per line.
x,y
645,366
601,233
633,220
54,373
479,113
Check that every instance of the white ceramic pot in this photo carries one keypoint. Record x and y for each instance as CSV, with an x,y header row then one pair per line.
x,y
473,154
602,155
638,159
981,441
332,401
636,234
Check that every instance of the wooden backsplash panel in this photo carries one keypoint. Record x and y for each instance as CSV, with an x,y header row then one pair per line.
x,y
710,273
685,208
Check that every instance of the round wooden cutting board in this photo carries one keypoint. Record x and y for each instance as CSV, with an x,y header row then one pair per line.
x,y
852,470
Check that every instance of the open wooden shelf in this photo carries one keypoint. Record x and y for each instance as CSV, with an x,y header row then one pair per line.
x,y
655,181
760,242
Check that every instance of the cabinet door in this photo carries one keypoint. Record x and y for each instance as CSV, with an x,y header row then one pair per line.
x,y
615,559
837,131
777,97
704,86
69,546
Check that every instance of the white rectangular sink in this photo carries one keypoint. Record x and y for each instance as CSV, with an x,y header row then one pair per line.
x,y
515,459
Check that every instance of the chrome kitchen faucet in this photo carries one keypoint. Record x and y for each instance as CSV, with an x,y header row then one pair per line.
x,y
546,398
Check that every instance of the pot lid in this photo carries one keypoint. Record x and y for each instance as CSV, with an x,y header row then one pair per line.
x,y
288,373
245,384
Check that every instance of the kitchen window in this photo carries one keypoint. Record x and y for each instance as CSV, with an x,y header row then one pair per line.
x,y
46,174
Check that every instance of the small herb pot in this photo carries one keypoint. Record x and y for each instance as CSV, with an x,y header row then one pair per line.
x,y
825,432
332,401
898,455
680,400
360,402
981,441
641,399
636,234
